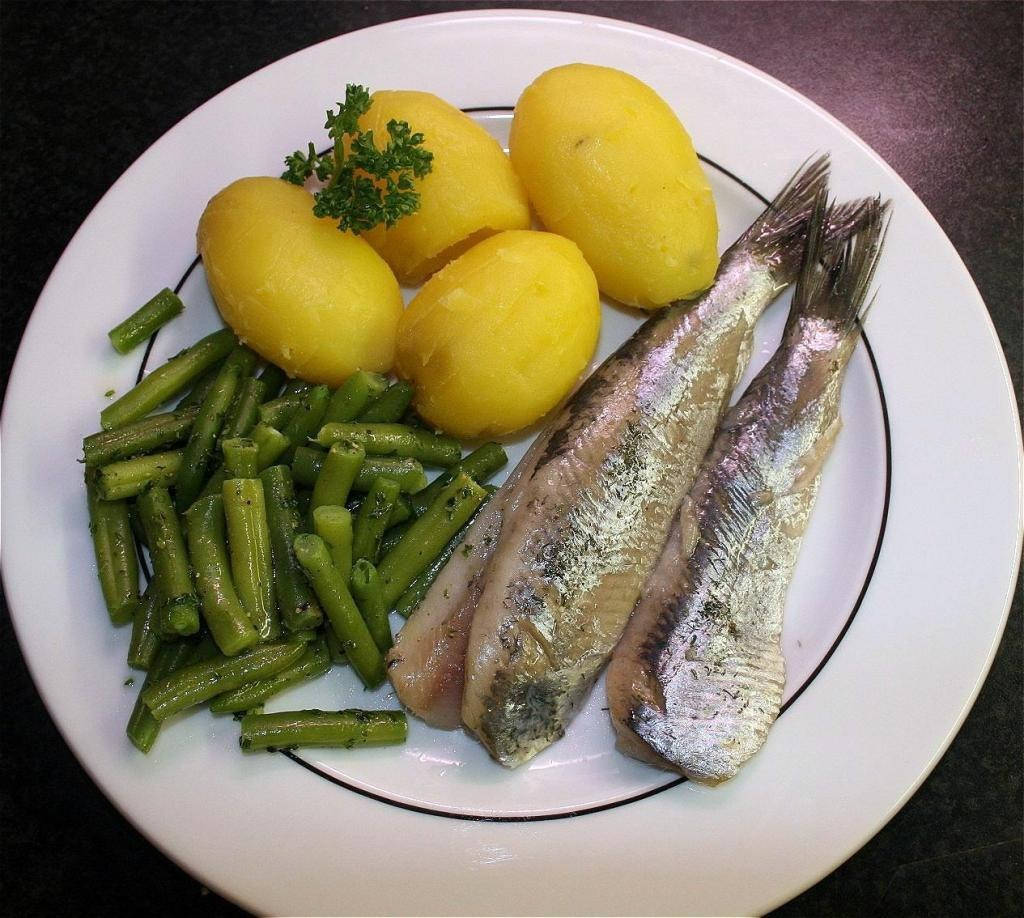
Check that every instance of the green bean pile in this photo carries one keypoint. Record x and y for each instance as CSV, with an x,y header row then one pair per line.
x,y
283,522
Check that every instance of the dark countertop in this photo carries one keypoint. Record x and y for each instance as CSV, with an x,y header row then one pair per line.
x,y
87,87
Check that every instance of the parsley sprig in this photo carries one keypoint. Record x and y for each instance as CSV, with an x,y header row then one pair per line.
x,y
364,186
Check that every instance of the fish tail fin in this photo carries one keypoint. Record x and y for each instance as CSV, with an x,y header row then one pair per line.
x,y
777,236
835,278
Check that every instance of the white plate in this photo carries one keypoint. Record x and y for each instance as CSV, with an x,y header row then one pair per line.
x,y
898,603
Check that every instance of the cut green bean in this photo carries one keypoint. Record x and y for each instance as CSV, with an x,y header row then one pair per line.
x,y
338,472
295,601
428,536
214,482
479,465
342,729
130,477
334,596
278,411
199,451
270,444
143,727
308,462
373,517
207,546
369,597
145,320
194,397
393,536
334,647
353,395
145,640
334,525
389,406
297,387
406,604
241,457
395,440
179,612
306,421
272,377
200,682
314,662
167,381
137,528
251,565
140,437
116,561
244,412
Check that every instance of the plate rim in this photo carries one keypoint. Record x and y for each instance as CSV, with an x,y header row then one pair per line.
x,y
625,26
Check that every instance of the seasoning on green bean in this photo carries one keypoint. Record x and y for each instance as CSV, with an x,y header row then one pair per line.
x,y
130,477
393,536
334,525
369,597
341,729
270,443
167,381
308,463
337,474
428,536
278,411
373,518
116,561
389,406
406,604
143,727
202,441
241,457
479,465
194,397
142,323
353,395
251,565
295,601
139,437
306,421
145,630
207,547
179,612
314,662
200,682
395,440
244,412
341,609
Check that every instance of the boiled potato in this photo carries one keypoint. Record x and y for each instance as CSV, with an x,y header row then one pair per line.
x,y
607,164
497,338
470,193
318,302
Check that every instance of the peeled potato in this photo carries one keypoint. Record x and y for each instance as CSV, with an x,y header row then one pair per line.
x,y
319,303
607,163
497,338
470,193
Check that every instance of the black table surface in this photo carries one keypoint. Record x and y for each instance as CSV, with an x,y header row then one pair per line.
x,y
935,88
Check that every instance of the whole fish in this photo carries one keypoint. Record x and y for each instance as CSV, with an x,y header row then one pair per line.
x,y
697,679
517,627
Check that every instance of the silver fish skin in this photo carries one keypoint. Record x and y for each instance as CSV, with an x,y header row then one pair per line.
x,y
585,520
697,679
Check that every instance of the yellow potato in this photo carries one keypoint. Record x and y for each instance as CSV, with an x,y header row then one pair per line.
x,y
470,193
318,302
607,163
496,339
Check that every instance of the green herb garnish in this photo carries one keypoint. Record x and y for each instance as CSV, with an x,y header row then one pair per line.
x,y
364,186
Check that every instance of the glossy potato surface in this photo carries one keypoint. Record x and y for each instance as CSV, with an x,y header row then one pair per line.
x,y
608,164
318,302
470,193
496,339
